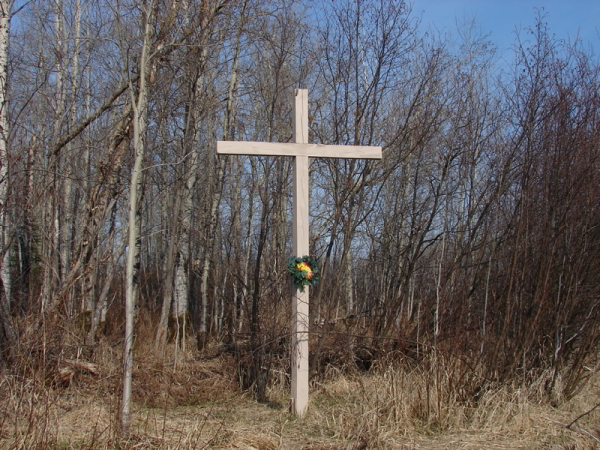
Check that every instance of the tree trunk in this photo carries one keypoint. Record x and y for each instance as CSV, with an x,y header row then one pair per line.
x,y
182,287
208,253
140,122
246,262
61,228
68,228
161,334
8,332
349,282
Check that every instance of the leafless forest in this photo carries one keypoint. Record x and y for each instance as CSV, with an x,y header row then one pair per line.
x,y
476,238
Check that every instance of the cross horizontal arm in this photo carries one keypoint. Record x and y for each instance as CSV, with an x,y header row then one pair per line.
x,y
293,149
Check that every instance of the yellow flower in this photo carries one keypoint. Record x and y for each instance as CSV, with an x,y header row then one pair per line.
x,y
305,268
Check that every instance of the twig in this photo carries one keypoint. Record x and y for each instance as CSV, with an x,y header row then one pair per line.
x,y
583,415
581,430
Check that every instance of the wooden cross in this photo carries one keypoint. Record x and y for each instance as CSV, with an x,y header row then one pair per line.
x,y
301,150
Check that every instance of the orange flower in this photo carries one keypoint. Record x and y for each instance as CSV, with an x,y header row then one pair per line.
x,y
305,268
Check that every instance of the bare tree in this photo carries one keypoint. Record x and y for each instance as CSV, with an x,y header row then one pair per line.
x,y
139,101
8,333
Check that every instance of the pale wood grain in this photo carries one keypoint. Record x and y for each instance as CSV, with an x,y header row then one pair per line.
x,y
293,149
300,248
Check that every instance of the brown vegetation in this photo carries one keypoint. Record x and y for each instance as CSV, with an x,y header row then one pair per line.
x,y
194,401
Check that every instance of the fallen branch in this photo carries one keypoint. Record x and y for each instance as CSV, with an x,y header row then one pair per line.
x,y
583,415
82,366
577,427
70,367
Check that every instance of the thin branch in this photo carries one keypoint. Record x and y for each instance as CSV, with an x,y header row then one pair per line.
x,y
93,116
577,427
583,415
13,14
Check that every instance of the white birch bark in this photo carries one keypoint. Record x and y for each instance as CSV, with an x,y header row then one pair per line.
x,y
181,269
5,12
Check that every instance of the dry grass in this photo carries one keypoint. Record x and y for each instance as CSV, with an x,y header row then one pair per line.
x,y
191,402
395,408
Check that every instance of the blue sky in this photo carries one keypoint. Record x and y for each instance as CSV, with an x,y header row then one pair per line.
x,y
500,18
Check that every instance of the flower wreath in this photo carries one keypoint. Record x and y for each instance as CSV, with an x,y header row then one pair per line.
x,y
304,270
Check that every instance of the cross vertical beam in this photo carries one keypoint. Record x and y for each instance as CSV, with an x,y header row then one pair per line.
x,y
300,227
300,150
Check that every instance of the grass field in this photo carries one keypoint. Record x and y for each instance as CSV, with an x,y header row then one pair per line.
x,y
193,401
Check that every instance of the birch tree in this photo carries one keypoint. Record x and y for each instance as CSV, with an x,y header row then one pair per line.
x,y
5,239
